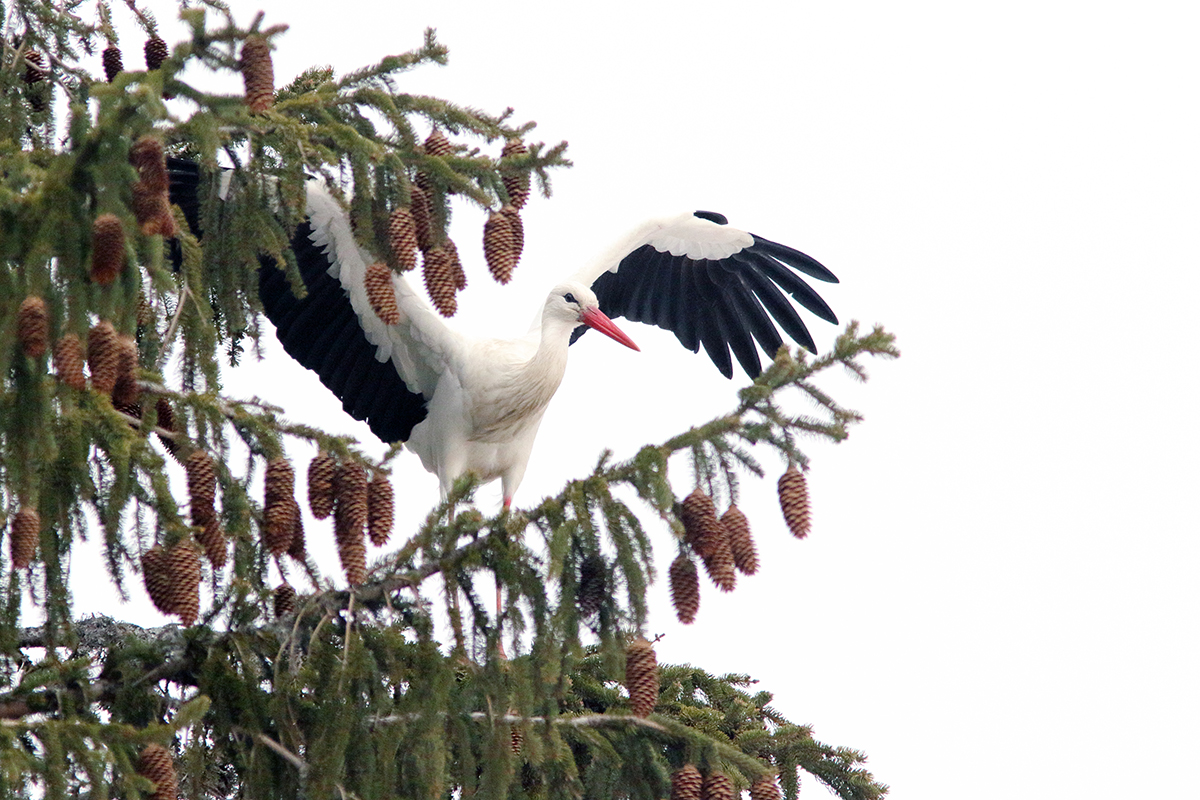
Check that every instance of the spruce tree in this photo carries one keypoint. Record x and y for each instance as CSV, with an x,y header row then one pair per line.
x,y
408,683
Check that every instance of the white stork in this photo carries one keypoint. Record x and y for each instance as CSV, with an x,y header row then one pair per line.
x,y
465,404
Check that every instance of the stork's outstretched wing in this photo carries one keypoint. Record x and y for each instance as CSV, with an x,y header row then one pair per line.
x,y
710,284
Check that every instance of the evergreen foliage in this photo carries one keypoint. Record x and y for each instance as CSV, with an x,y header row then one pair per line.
x,y
409,685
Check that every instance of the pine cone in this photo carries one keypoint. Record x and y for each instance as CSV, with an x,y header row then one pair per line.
x,y
685,783
156,765
518,228
456,267
499,246
156,52
402,238
437,144
108,249
592,580
353,555
202,486
23,537
741,543
152,209
111,59
279,515
440,282
147,157
685,589
297,549
102,356
33,68
166,421
516,185
765,789
258,74
33,326
280,479
321,472
422,212
720,567
381,511
517,737
717,786
125,389
351,509
701,528
641,677
285,600
68,361
212,538
793,499
156,579
381,294
182,569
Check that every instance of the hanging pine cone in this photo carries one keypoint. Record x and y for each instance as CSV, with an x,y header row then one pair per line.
x,y
279,517
518,228
285,600
381,294
108,249
156,765
793,499
166,421
440,282
258,74
437,144
152,209
321,472
685,783
202,486
111,59
516,185
765,788
381,511
182,568
720,567
717,786
701,528
402,238
297,549
155,51
456,267
23,537
741,543
351,510
353,555
212,538
641,677
592,580
517,737
147,157
156,579
685,589
68,361
33,326
499,246
125,389
280,479
102,356
422,213
33,68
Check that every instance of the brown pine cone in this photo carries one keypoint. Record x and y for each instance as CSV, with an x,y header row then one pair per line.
x,y
321,471
125,389
516,185
518,228
280,479
147,157
285,600
33,68
212,538
156,765
593,581
685,589
108,249
279,515
381,512
499,246
793,499
456,267
517,737
182,569
103,356
353,555
685,783
258,74
156,579
422,212
765,789
166,421
701,528
351,510
152,208
720,567
68,361
437,144
111,59
297,549
381,294
641,677
717,786
202,486
741,543
440,281
33,326
402,238
156,52
23,537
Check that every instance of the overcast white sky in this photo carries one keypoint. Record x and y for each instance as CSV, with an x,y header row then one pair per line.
x,y
999,598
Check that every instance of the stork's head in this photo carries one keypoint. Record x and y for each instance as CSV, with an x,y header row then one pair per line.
x,y
572,304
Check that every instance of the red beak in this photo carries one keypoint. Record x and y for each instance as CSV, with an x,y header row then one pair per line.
x,y
596,319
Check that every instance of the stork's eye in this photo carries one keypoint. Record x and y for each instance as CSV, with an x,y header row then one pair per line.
x,y
570,298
